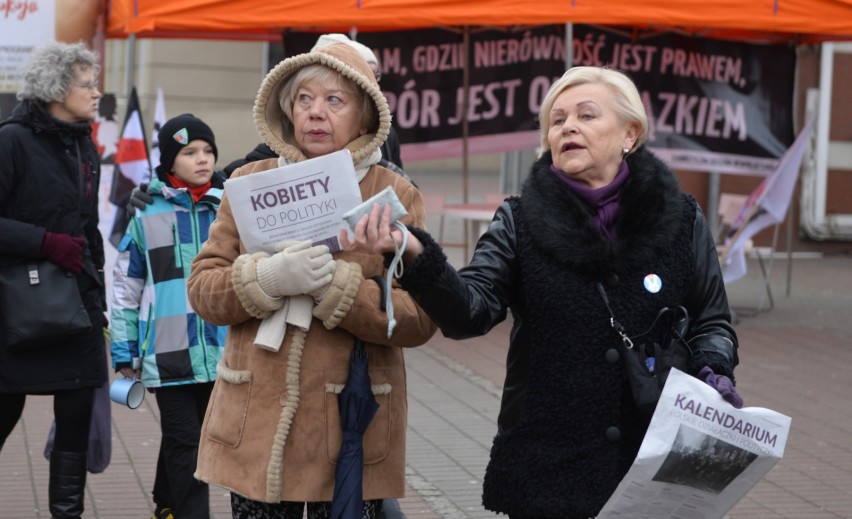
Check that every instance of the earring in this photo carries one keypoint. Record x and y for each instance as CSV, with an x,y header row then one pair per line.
x,y
626,151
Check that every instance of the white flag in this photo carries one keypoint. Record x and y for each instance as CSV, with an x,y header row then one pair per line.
x,y
159,121
772,198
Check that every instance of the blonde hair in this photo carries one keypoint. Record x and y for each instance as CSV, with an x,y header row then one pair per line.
x,y
628,102
287,96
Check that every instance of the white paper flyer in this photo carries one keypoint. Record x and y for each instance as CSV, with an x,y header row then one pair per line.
x,y
297,202
699,457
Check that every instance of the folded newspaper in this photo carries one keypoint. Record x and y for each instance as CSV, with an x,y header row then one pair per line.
x,y
297,202
700,455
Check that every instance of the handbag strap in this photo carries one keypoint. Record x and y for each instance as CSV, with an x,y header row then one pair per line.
x,y
80,185
677,328
613,322
33,266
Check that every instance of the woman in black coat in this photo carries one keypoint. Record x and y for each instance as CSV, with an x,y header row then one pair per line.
x,y
49,178
601,230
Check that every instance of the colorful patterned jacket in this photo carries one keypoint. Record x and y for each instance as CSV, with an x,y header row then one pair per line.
x,y
151,317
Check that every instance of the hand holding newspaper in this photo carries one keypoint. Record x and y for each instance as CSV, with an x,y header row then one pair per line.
x,y
301,201
699,457
296,202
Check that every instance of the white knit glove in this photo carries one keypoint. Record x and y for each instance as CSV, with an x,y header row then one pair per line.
x,y
295,268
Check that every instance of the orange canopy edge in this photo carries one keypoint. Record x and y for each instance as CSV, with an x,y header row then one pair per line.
x,y
796,21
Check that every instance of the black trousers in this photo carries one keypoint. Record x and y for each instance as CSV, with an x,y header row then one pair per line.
x,y
182,411
72,410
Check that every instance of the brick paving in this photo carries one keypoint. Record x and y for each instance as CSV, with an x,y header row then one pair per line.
x,y
794,359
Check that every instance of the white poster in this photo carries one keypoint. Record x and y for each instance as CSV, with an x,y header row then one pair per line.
x,y
24,25
297,202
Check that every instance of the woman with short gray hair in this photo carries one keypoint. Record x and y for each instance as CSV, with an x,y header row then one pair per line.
x,y
49,178
51,71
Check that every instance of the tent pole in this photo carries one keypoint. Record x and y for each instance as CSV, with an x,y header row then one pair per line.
x,y
130,65
569,45
465,132
714,182
789,250
465,106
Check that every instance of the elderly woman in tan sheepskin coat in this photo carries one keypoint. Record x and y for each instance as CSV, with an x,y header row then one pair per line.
x,y
272,434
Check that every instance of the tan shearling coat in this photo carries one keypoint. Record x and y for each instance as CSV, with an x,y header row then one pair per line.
x,y
272,431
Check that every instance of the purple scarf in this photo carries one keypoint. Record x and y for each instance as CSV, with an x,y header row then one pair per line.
x,y
603,201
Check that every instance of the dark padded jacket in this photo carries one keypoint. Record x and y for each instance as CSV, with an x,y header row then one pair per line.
x,y
568,428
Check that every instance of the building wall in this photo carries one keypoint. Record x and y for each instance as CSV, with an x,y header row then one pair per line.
x,y
839,198
839,193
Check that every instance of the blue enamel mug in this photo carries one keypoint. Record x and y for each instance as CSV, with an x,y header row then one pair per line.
x,y
127,391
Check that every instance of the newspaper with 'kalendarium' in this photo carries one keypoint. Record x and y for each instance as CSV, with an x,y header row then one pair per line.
x,y
297,202
699,457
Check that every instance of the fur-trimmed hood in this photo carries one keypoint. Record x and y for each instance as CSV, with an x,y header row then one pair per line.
x,y
277,130
563,227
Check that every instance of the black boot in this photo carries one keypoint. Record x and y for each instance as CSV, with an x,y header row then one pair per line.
x,y
67,484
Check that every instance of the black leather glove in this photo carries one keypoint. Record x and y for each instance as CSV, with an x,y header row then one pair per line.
x,y
139,199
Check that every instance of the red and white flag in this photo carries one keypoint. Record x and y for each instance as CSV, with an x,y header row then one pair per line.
x,y
772,198
131,166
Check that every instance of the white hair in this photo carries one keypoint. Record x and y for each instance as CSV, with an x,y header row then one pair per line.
x,y
51,70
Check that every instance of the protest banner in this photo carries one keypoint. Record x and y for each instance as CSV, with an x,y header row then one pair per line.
x,y
713,105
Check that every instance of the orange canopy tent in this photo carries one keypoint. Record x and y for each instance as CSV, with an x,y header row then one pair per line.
x,y
776,21
800,21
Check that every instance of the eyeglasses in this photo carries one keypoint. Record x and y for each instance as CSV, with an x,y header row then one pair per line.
x,y
376,72
91,86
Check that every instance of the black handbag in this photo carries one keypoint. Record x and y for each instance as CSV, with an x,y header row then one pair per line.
x,y
39,303
648,357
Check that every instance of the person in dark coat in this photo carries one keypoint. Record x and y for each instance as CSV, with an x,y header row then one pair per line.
x,y
47,158
390,149
601,228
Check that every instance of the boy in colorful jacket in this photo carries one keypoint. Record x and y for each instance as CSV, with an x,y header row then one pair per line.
x,y
156,334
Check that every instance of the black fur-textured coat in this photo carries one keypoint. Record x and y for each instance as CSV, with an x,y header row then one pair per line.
x,y
41,163
568,428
